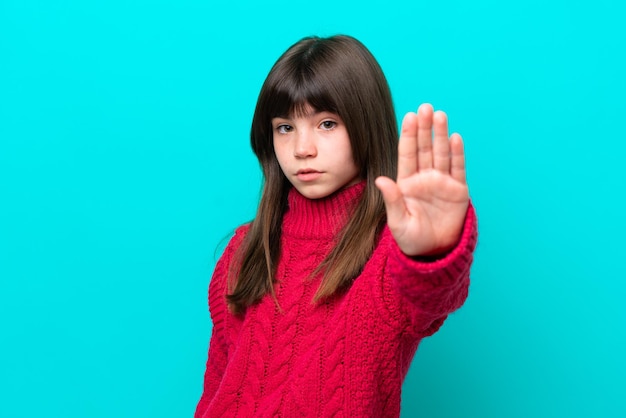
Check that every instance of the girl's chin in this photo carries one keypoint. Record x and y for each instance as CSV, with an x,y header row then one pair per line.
x,y
320,191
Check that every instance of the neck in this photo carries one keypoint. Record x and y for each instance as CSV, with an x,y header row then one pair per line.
x,y
320,218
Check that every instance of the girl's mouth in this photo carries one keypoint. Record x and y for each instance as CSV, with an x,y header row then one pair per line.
x,y
308,174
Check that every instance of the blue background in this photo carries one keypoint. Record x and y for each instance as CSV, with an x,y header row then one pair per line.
x,y
125,165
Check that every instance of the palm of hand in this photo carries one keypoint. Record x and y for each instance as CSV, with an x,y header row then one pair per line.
x,y
426,206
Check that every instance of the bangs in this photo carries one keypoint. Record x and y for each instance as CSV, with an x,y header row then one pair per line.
x,y
299,94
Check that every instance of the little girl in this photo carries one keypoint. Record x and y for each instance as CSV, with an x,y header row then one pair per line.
x,y
319,304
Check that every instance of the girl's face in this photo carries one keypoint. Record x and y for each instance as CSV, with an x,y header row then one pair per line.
x,y
314,152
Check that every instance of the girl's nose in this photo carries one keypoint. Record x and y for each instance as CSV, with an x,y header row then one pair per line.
x,y
305,145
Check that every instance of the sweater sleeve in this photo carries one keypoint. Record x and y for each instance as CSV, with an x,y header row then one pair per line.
x,y
218,348
430,290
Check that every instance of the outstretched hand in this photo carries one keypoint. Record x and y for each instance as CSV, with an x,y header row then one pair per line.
x,y
427,203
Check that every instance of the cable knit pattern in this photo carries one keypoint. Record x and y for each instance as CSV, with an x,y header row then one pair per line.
x,y
344,357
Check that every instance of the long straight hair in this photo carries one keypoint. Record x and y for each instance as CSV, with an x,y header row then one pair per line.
x,y
339,75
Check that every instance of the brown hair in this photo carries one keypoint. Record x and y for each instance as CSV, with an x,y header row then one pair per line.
x,y
336,74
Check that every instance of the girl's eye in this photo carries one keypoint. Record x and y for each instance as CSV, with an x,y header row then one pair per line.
x,y
328,125
283,129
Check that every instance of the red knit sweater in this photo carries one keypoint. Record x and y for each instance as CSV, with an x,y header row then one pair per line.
x,y
345,357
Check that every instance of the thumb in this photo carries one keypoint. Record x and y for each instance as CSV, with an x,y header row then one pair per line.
x,y
394,200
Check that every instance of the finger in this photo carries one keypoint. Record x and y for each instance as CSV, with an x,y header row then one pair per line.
x,y
457,170
407,147
394,201
441,144
425,137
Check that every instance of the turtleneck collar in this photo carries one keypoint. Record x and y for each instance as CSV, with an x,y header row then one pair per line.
x,y
320,218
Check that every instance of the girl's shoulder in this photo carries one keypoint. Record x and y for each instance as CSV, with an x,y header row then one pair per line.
x,y
242,230
219,280
236,239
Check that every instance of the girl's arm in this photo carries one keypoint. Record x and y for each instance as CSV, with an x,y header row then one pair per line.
x,y
427,289
431,220
218,349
